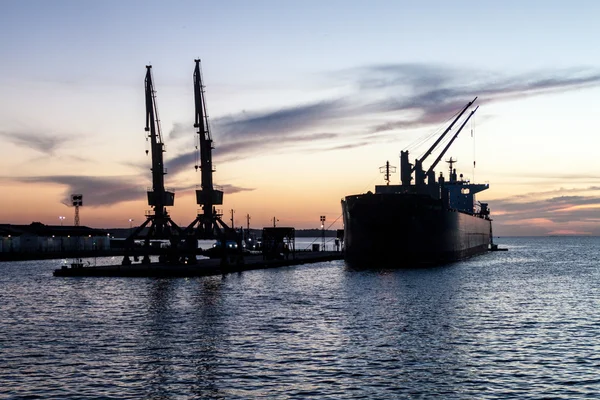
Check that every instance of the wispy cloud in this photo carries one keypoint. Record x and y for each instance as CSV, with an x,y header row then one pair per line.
x,y
42,142
181,130
279,123
554,211
433,94
398,96
234,150
97,191
101,191
345,146
231,189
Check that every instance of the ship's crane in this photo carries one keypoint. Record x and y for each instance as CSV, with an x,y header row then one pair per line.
x,y
419,162
437,160
161,226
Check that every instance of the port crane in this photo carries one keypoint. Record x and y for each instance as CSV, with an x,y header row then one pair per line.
x,y
159,223
208,222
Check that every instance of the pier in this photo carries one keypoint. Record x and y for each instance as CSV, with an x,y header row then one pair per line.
x,y
204,267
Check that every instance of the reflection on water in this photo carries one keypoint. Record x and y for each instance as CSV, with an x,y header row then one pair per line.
x,y
520,324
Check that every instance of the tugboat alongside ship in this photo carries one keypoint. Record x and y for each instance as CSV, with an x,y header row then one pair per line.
x,y
422,223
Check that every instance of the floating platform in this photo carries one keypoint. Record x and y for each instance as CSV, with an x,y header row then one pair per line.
x,y
201,268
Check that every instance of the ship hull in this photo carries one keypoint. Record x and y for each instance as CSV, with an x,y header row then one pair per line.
x,y
409,230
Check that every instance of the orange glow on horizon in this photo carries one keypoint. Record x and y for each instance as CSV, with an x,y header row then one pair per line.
x,y
569,232
530,221
578,207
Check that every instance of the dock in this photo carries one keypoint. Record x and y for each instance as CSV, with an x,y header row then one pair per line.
x,y
201,268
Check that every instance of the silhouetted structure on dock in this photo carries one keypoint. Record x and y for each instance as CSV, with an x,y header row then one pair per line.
x,y
161,224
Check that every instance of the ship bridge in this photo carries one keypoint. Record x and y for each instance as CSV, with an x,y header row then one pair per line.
x,y
461,194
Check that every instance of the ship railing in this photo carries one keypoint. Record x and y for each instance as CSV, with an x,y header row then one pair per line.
x,y
218,212
215,187
167,189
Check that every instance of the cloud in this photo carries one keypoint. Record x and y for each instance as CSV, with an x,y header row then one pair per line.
x,y
231,189
181,162
556,210
279,123
44,143
97,191
560,192
110,190
346,146
404,96
569,232
231,151
181,130
226,188
434,94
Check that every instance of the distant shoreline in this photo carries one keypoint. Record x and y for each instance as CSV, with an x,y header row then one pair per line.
x,y
125,232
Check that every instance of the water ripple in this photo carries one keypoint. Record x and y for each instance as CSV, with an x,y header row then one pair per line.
x,y
517,324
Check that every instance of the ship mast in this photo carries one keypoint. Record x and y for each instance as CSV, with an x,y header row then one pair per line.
x,y
452,171
387,170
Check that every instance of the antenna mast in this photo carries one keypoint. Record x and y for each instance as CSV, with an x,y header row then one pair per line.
x,y
387,169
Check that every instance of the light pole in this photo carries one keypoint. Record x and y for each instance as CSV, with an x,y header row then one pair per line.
x,y
323,231
130,225
61,220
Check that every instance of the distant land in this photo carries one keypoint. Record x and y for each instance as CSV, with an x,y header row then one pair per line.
x,y
125,232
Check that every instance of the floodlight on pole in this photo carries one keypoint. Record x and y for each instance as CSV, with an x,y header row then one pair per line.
x,y
322,219
77,201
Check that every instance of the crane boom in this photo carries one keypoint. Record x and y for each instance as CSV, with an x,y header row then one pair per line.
x,y
207,196
157,198
437,160
201,123
160,224
428,152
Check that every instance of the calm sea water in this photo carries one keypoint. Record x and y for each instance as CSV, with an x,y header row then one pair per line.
x,y
518,324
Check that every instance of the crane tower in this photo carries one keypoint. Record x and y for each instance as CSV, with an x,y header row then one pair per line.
x,y
158,221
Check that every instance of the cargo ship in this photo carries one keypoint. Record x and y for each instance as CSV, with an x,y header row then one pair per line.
x,y
421,221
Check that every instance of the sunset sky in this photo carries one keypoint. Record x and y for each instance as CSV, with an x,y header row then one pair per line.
x,y
307,99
